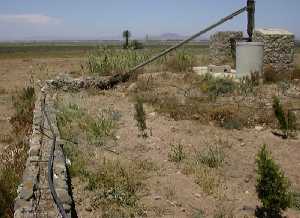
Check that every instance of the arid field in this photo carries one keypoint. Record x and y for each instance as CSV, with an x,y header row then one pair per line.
x,y
167,143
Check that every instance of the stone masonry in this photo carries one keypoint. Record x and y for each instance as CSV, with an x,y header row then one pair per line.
x,y
221,50
279,48
34,197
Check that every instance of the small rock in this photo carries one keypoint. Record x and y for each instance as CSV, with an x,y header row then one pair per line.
x,y
152,114
27,190
88,208
197,195
242,144
183,209
259,128
157,197
132,87
118,137
68,162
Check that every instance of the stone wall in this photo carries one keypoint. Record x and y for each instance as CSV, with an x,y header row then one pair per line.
x,y
34,197
279,46
221,50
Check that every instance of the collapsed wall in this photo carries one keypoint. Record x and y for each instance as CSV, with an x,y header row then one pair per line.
x,y
279,46
221,48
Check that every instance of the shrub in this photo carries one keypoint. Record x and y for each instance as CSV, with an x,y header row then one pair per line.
x,y
272,186
135,44
217,86
280,115
176,153
140,117
213,157
181,61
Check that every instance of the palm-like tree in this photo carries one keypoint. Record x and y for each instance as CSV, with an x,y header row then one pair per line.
x,y
126,36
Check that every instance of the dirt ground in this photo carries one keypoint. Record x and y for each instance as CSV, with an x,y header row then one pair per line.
x,y
16,74
235,191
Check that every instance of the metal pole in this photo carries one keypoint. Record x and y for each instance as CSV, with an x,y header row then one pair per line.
x,y
251,18
223,20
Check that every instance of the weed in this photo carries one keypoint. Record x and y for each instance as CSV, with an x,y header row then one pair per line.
x,y
170,191
13,157
181,61
105,61
224,211
295,200
199,213
116,185
23,103
77,159
248,83
272,186
140,117
176,153
213,157
270,75
100,128
207,179
73,122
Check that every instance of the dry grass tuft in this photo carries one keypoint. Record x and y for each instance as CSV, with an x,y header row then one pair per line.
x,y
13,158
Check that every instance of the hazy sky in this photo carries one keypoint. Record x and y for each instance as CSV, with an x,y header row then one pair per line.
x,y
93,19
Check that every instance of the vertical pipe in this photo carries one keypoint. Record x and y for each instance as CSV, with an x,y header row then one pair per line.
x,y
251,18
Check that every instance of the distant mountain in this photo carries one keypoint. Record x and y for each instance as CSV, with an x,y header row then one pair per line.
x,y
167,36
173,37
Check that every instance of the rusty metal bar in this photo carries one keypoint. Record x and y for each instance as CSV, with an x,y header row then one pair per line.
x,y
223,20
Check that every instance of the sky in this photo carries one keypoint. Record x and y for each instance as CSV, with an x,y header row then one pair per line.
x,y
99,19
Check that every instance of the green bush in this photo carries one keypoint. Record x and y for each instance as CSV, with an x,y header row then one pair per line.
x,y
272,186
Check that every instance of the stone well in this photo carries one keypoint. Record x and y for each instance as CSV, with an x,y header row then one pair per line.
x,y
279,46
221,50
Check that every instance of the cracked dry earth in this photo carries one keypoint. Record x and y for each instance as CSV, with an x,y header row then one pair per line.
x,y
168,190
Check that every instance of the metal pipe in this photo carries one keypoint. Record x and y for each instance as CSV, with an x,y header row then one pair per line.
x,y
251,18
50,164
223,20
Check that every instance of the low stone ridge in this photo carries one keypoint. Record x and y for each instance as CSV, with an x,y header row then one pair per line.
x,y
34,197
279,48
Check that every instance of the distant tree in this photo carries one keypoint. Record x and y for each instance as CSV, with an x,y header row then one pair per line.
x,y
126,36
135,44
